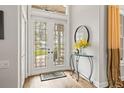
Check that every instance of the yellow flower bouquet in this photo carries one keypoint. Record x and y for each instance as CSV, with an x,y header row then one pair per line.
x,y
81,44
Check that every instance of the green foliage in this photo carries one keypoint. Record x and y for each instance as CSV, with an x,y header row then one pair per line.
x,y
40,52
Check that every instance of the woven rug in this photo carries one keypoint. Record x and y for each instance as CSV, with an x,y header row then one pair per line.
x,y
52,75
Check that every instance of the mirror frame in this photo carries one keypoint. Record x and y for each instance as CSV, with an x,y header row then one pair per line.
x,y
77,31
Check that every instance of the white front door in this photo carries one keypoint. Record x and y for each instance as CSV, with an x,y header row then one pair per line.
x,y
48,44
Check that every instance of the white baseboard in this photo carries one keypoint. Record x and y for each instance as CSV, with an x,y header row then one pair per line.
x,y
122,78
96,83
103,84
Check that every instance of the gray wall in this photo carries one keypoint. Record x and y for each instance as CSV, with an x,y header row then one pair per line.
x,y
89,16
9,47
103,47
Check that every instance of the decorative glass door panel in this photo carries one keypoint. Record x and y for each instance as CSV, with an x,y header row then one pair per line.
x,y
40,33
58,44
48,44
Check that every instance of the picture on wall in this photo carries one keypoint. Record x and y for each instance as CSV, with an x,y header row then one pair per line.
x,y
1,24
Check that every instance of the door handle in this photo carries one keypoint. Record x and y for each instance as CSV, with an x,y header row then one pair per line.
x,y
52,52
48,52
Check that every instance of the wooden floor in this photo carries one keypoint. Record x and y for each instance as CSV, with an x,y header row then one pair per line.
x,y
66,82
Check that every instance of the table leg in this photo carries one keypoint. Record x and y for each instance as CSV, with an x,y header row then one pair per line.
x,y
77,62
91,65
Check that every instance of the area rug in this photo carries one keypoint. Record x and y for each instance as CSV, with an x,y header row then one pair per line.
x,y
52,75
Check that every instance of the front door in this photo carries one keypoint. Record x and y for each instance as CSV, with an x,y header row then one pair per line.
x,y
48,44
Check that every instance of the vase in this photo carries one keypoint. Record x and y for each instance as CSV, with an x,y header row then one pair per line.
x,y
82,52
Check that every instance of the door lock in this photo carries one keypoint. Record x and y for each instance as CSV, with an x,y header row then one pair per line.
x,y
52,52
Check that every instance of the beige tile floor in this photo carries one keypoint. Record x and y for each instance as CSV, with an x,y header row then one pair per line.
x,y
66,82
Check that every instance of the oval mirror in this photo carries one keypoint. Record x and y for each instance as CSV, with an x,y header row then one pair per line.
x,y
81,33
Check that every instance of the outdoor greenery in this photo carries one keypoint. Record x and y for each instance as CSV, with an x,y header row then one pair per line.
x,y
40,52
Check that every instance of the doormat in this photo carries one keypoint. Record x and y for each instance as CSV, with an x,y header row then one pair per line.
x,y
52,75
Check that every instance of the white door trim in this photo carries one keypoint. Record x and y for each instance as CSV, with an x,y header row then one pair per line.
x,y
67,37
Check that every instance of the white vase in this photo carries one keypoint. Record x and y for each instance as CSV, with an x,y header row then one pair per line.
x,y
82,52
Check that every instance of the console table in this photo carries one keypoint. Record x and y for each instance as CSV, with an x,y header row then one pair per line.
x,y
75,68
